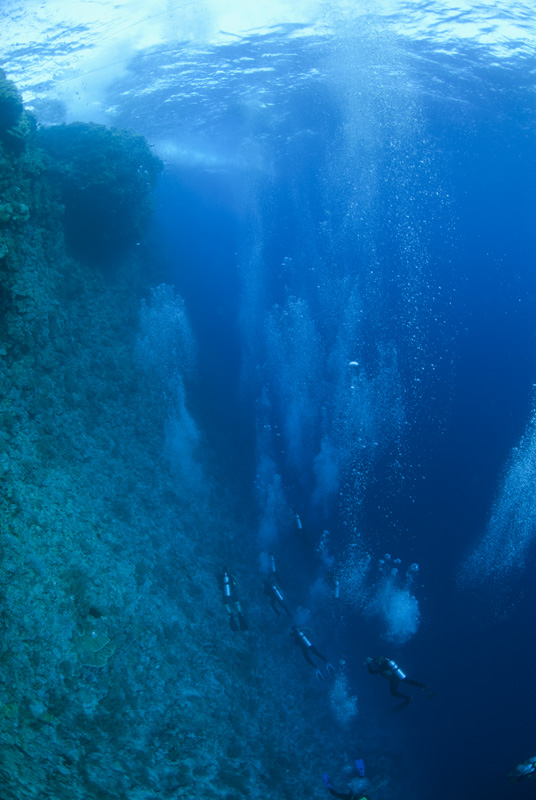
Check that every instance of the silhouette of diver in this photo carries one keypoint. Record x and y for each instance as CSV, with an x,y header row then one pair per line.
x,y
307,647
274,591
229,586
275,595
390,670
344,795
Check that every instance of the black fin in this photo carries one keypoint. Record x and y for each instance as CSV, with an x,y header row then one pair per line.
x,y
242,622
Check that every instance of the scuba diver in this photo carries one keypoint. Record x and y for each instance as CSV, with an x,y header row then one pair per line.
x,y
390,670
299,529
350,795
229,586
525,769
274,591
307,647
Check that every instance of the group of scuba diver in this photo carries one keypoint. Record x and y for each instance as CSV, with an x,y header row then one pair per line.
x,y
300,636
387,668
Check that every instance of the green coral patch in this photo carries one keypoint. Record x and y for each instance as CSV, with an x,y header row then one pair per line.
x,y
94,649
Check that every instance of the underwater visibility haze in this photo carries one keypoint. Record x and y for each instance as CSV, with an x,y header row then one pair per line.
x,y
267,370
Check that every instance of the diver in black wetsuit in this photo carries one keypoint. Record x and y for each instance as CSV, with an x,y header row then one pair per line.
x,y
344,795
348,795
275,595
307,647
229,586
390,670
274,591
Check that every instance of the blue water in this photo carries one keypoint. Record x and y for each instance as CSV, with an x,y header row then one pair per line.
x,y
353,235
466,226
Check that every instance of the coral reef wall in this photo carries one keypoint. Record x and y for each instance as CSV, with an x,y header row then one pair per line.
x,y
119,674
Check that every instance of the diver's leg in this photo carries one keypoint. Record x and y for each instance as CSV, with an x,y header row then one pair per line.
x,y
315,651
307,657
418,684
341,795
283,606
429,692
394,682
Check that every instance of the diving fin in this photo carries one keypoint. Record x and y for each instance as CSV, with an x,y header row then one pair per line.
x,y
360,766
242,622
401,706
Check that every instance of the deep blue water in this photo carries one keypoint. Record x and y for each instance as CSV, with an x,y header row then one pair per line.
x,y
379,210
480,247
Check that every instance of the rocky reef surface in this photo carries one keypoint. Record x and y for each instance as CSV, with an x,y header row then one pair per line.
x,y
119,675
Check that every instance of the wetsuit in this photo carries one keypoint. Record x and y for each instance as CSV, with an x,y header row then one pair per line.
x,y
390,670
275,594
229,586
306,646
347,795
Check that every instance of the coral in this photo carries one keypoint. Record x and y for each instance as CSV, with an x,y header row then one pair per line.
x,y
16,125
106,177
10,104
94,648
14,212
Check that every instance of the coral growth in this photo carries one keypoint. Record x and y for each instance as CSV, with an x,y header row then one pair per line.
x,y
106,178
16,124
94,649
10,104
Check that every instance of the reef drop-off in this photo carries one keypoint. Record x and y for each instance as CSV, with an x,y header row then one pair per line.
x,y
119,674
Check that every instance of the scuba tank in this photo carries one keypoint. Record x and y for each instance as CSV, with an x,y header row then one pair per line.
x,y
277,591
393,670
303,638
226,585
336,590
273,562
